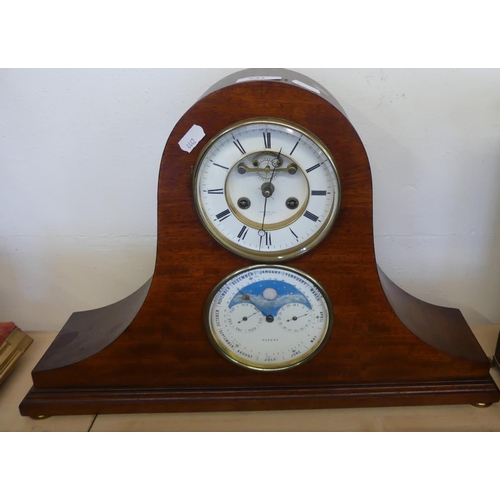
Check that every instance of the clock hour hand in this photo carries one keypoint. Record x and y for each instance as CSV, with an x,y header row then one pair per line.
x,y
247,297
245,318
277,162
295,318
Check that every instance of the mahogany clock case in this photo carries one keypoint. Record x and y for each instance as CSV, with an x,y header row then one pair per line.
x,y
150,352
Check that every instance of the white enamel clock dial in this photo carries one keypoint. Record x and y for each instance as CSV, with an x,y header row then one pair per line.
x,y
268,317
266,189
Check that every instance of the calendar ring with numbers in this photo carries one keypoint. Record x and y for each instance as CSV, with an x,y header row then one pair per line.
x,y
268,317
266,189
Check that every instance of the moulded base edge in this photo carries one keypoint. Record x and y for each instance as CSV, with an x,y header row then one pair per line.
x,y
81,401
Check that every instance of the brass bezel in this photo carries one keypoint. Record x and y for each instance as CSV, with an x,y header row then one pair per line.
x,y
262,256
230,356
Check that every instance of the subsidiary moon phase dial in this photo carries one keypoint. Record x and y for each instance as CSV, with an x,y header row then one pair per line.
x,y
266,189
268,317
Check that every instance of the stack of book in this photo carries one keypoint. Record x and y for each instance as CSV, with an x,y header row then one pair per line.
x,y
13,344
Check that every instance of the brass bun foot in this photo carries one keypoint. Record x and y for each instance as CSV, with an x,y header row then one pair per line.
x,y
40,417
482,405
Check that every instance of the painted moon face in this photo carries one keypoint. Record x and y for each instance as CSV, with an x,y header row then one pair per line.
x,y
270,293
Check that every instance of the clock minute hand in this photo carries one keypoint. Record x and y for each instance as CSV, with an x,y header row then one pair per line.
x,y
267,191
262,232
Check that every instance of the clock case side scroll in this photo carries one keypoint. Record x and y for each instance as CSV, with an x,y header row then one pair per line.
x,y
150,353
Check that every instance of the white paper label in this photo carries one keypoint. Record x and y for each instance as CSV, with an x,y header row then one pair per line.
x,y
191,139
252,78
304,85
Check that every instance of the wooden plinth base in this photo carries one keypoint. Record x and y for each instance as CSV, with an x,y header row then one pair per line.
x,y
84,401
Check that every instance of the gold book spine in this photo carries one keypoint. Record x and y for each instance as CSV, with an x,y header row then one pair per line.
x,y
14,346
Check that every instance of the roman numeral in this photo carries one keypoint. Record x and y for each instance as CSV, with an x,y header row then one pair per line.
x,y
318,193
223,215
267,139
293,233
215,191
314,167
237,143
268,240
311,216
243,233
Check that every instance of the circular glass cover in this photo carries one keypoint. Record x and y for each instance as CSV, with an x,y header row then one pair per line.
x,y
266,189
268,317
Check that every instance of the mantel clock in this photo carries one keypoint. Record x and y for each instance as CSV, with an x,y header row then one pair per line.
x,y
266,293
